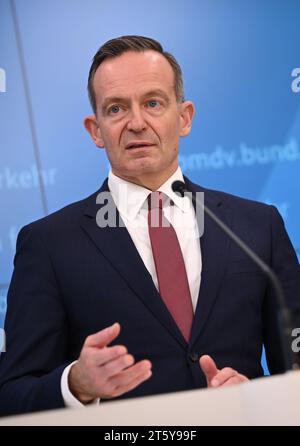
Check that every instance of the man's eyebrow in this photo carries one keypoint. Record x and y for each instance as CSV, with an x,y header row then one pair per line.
x,y
110,100
118,99
157,92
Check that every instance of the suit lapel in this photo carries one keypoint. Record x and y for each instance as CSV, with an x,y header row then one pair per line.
x,y
214,250
116,245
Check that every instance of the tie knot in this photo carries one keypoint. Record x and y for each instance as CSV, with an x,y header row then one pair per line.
x,y
156,200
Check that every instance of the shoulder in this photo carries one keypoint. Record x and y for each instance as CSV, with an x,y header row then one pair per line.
x,y
59,224
246,215
233,202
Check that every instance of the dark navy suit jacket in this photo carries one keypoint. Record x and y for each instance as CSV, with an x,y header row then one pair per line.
x,y
72,279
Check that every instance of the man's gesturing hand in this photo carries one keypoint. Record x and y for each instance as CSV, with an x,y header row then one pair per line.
x,y
218,378
105,372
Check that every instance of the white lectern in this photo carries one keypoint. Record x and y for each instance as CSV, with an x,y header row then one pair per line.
x,y
264,401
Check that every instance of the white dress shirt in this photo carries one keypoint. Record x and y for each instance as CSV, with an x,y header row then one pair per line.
x,y
131,202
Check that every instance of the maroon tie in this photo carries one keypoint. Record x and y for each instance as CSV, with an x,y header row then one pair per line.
x,y
170,269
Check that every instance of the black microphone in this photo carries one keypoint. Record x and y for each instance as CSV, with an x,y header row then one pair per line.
x,y
284,314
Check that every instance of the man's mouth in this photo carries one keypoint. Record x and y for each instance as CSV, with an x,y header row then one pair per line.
x,y
138,145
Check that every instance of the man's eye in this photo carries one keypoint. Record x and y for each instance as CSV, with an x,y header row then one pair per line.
x,y
114,109
153,104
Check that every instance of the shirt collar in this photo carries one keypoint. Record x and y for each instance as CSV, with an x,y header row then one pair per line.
x,y
129,197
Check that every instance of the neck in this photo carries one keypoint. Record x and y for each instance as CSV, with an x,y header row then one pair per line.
x,y
150,181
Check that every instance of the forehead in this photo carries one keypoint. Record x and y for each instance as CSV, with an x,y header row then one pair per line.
x,y
133,72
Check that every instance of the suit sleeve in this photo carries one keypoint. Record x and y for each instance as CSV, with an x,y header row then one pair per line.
x,y
285,264
36,331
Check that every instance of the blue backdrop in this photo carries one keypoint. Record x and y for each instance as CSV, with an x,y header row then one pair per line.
x,y
239,60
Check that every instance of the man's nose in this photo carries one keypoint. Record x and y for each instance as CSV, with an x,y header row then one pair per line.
x,y
136,122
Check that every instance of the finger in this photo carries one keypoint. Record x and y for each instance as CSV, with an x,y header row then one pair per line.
x,y
116,366
102,356
238,379
133,384
222,376
103,337
208,367
127,376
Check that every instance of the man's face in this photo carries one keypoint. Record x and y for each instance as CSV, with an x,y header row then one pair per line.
x,y
139,121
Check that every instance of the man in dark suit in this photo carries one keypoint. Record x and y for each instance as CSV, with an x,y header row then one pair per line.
x,y
90,314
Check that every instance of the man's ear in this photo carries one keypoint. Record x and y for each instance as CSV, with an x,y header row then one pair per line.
x,y
187,111
91,125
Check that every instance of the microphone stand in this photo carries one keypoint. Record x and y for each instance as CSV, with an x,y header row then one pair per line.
x,y
291,360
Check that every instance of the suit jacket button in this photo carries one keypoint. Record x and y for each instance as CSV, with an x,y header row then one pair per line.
x,y
193,356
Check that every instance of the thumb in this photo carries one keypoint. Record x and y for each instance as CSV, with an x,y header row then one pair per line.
x,y
208,367
103,337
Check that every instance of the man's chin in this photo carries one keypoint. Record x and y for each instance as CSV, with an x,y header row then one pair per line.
x,y
142,166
